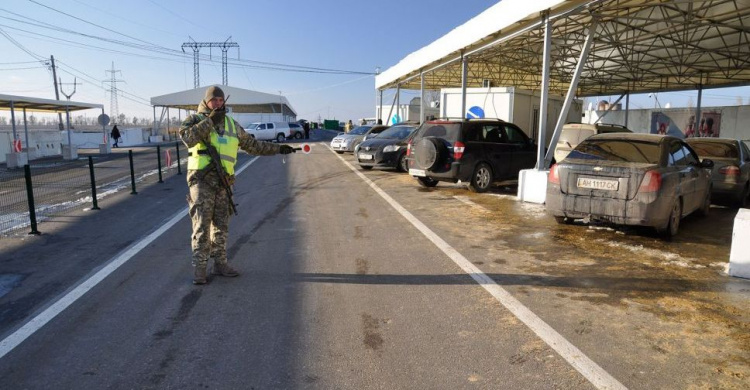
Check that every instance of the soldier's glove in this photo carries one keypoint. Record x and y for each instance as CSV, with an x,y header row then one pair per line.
x,y
286,149
217,115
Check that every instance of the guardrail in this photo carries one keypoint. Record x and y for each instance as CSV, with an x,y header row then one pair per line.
x,y
47,188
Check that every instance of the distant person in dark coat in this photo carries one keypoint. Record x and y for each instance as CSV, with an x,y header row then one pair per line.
x,y
306,126
115,136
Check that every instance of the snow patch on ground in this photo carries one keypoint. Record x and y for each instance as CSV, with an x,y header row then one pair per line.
x,y
671,258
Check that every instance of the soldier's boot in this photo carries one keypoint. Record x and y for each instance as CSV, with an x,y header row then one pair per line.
x,y
200,275
224,270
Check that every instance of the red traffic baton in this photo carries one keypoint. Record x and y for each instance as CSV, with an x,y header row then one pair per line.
x,y
305,148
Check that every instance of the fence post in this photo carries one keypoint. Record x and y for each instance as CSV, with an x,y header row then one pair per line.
x,y
132,173
30,195
179,168
93,184
158,158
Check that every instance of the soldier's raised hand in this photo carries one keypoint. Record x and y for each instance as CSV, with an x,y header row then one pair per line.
x,y
286,149
217,115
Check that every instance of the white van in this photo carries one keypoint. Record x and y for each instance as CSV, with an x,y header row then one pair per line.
x,y
265,131
573,133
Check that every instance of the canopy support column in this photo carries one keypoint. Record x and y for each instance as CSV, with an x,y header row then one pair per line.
x,y
571,92
13,119
398,102
380,108
698,108
26,132
464,75
627,107
421,97
544,92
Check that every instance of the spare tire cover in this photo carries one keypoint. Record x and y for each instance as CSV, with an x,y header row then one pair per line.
x,y
427,152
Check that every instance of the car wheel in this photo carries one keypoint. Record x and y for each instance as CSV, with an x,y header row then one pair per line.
x,y
706,206
298,135
673,225
403,164
365,168
744,199
481,179
427,182
280,138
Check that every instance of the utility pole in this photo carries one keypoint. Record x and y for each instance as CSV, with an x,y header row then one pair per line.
x,y
113,104
67,109
224,46
57,93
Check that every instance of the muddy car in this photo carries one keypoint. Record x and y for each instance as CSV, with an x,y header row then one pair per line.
x,y
730,175
479,152
630,179
387,149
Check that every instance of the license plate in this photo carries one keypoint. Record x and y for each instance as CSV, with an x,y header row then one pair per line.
x,y
363,156
598,184
417,172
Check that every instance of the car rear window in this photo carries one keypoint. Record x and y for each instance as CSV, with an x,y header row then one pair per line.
x,y
446,131
715,149
618,150
574,136
360,130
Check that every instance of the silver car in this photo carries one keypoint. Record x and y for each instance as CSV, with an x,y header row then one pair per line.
x,y
630,179
730,176
347,142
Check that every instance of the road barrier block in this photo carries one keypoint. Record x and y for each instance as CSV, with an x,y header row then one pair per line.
x,y
739,256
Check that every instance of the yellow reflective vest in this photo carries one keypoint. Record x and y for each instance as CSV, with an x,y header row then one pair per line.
x,y
226,144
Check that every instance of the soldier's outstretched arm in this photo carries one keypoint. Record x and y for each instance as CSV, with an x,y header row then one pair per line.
x,y
253,146
194,129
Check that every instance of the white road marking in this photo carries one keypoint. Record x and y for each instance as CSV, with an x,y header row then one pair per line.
x,y
575,357
36,323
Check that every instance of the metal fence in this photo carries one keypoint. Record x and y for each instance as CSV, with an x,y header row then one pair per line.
x,y
49,187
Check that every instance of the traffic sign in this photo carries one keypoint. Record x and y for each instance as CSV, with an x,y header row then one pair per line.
x,y
475,112
103,119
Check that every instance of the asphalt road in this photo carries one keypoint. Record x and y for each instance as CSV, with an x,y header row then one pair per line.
x,y
341,288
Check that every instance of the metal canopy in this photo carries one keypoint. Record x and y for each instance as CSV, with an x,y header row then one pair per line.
x,y
240,100
43,105
640,46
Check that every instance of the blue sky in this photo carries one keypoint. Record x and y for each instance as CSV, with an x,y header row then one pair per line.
x,y
344,35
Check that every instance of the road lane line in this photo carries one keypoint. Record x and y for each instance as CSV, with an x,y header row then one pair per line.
x,y
575,357
36,323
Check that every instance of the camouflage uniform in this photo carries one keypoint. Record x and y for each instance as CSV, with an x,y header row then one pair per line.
x,y
209,207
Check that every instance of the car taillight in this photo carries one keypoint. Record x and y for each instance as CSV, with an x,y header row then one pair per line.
x,y
730,170
651,182
554,175
458,150
408,149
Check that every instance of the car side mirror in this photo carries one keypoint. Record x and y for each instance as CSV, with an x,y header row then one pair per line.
x,y
707,163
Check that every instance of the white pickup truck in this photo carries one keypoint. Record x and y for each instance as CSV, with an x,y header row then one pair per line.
x,y
264,131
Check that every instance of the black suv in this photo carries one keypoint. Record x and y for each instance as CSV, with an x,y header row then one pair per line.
x,y
479,152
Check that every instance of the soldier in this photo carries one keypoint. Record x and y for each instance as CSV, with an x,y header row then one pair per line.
x,y
208,200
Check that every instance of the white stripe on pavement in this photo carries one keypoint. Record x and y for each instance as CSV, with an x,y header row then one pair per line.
x,y
587,367
36,323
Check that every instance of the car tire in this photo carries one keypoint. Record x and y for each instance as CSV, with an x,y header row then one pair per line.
x,y
673,225
298,135
563,220
280,137
365,168
430,152
427,182
402,165
706,205
744,199
339,152
481,179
